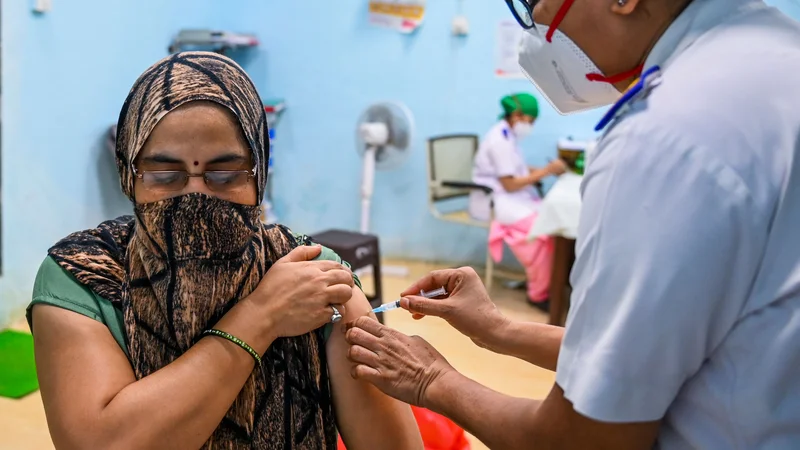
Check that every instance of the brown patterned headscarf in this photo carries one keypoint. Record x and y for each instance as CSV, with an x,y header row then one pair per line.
x,y
181,263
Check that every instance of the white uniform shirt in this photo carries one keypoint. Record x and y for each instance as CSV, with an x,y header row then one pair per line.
x,y
686,301
499,156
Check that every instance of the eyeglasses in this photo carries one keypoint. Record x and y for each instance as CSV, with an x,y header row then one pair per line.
x,y
523,11
175,180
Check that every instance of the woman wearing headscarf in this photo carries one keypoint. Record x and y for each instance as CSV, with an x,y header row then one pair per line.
x,y
192,324
499,164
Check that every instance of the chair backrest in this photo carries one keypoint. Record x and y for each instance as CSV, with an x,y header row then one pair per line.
x,y
450,158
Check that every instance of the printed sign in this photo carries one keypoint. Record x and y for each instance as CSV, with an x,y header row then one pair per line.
x,y
509,35
401,15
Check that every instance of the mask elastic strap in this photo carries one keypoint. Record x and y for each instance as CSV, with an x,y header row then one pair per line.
x,y
616,78
562,12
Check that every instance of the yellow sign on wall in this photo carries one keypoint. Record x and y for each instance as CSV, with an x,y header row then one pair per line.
x,y
401,15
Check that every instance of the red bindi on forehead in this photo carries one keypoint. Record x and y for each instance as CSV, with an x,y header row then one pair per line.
x,y
196,163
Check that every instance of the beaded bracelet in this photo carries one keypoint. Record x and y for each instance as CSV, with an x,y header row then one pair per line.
x,y
235,340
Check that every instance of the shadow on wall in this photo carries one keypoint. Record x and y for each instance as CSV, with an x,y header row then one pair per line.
x,y
113,202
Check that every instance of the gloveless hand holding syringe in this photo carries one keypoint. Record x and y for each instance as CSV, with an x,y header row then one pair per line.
x,y
441,292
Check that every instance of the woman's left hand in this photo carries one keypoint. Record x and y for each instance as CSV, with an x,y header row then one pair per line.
x,y
404,367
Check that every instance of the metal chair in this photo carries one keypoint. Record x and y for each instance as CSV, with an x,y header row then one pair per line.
x,y
450,161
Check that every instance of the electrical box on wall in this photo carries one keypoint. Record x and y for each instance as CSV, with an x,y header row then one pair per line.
x,y
42,6
460,21
460,26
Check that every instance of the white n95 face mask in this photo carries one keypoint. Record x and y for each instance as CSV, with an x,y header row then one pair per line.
x,y
559,70
522,130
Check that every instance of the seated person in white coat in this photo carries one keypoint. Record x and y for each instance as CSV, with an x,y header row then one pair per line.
x,y
500,165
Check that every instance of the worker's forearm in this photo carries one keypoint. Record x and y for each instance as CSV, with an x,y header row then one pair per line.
x,y
499,421
534,342
514,184
537,175
180,405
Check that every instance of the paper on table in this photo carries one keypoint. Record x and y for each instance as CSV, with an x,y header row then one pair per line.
x,y
560,210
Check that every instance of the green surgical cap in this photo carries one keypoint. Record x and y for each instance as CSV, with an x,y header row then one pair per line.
x,y
524,103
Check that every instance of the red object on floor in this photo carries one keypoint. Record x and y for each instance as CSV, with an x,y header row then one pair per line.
x,y
438,432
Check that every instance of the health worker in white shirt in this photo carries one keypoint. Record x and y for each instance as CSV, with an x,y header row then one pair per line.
x,y
500,165
684,323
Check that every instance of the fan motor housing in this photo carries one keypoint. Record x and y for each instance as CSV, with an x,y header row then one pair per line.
x,y
375,133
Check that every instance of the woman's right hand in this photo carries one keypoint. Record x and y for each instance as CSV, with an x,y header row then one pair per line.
x,y
296,294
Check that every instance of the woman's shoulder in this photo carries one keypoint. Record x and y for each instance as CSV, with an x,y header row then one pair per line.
x,y
95,257
55,286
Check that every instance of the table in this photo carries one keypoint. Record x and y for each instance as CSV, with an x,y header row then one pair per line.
x,y
558,217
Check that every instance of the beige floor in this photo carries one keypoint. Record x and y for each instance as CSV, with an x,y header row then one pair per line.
x,y
23,426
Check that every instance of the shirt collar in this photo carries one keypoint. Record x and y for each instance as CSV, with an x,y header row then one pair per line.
x,y
699,17
508,132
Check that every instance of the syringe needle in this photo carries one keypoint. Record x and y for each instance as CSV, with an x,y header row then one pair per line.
x,y
396,304
387,307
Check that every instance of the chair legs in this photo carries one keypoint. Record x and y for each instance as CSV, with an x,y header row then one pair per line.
x,y
489,271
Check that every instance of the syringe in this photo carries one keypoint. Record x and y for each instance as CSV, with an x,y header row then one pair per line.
x,y
396,304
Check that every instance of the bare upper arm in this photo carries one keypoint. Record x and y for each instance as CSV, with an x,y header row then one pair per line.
x,y
80,367
558,426
391,424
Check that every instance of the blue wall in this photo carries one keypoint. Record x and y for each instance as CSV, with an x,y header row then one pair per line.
x,y
66,73
330,64
65,76
329,76
790,7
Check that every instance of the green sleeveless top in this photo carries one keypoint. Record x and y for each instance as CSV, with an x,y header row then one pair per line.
x,y
55,286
